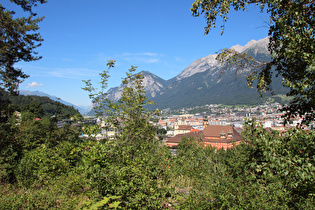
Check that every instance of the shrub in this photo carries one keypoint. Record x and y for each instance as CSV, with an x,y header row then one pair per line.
x,y
41,165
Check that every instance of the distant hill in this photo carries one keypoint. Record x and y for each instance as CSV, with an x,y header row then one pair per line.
x,y
202,82
49,106
81,109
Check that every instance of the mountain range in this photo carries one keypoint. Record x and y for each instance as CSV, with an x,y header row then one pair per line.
x,y
203,82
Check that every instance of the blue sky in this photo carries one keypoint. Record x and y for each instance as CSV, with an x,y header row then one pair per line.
x,y
157,36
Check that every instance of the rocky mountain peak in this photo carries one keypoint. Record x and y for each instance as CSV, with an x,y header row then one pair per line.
x,y
262,44
210,63
238,48
200,65
152,85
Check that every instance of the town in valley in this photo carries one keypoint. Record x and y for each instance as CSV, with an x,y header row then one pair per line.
x,y
217,125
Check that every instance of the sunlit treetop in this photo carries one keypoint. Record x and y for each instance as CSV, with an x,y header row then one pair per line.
x,y
18,41
292,46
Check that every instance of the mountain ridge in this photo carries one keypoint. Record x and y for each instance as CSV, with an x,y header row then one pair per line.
x,y
202,82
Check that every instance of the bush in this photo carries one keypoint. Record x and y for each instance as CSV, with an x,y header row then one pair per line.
x,y
40,165
269,170
141,181
10,152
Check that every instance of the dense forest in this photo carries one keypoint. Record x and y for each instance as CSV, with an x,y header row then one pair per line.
x,y
39,106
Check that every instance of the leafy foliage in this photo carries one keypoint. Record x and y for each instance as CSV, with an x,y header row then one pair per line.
x,y
269,170
291,46
130,167
17,43
39,165
288,158
128,115
11,150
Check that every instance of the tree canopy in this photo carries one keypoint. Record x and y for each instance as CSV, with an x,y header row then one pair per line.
x,y
292,46
18,41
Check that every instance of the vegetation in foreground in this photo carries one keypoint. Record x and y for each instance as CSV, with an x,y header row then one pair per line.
x,y
268,171
43,167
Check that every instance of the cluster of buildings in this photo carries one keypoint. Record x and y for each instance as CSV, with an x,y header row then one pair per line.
x,y
218,136
217,125
221,126
188,126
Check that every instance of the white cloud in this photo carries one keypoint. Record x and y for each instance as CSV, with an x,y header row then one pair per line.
x,y
33,85
146,57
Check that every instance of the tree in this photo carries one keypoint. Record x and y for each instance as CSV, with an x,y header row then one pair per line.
x,y
17,43
128,115
292,48
132,164
18,40
35,108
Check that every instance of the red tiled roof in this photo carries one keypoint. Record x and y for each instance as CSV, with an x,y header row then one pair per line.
x,y
178,137
185,127
217,130
211,134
